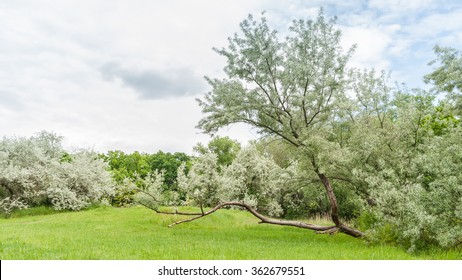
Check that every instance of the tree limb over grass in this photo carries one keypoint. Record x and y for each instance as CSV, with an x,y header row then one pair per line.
x,y
176,212
266,220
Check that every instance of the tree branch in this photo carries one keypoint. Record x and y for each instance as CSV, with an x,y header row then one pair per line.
x,y
277,132
176,212
262,218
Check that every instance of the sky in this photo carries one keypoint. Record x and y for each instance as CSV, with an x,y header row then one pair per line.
x,y
124,74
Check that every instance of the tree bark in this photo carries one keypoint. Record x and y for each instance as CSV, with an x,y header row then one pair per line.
x,y
332,198
334,207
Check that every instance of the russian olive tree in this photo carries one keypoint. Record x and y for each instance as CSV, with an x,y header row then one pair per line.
x,y
290,88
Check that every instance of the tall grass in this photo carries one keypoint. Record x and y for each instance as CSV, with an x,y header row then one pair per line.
x,y
138,233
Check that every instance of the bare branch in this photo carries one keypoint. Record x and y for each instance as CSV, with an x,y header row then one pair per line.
x,y
176,212
277,132
262,218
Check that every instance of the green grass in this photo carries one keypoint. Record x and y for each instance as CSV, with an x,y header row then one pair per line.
x,y
138,233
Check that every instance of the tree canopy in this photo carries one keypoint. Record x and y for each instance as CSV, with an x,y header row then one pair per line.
x,y
447,76
292,88
224,148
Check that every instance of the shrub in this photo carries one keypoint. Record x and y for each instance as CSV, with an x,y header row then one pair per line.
x,y
37,171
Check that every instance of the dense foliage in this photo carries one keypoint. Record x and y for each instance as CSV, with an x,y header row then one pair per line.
x,y
37,171
134,167
388,153
447,77
224,148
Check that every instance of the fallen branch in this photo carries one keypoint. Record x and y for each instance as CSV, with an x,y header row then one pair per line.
x,y
350,231
262,218
329,231
176,212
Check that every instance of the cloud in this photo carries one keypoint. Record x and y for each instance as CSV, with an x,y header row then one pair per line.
x,y
392,8
374,45
438,27
125,75
152,84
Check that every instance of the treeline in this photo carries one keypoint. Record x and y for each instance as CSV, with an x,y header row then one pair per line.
x,y
37,171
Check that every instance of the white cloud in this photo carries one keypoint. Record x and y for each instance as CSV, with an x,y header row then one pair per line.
x,y
51,56
401,6
374,45
443,27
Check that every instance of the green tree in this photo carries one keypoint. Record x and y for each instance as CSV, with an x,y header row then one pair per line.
x,y
125,165
168,163
135,167
225,148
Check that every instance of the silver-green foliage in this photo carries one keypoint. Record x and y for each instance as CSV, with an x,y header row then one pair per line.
x,y
202,181
255,179
447,75
410,168
424,205
37,171
149,190
392,147
252,178
283,87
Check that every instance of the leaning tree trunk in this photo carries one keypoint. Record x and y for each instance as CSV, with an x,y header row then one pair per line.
x,y
334,207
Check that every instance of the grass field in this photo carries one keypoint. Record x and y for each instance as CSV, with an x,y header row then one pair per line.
x,y
138,233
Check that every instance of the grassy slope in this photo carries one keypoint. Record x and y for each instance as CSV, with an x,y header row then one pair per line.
x,y
138,233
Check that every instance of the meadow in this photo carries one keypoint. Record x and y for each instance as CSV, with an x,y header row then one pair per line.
x,y
140,234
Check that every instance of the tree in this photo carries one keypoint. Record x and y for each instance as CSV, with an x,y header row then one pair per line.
x,y
136,166
253,179
201,182
225,148
386,152
124,165
290,89
447,77
168,163
403,159
78,183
